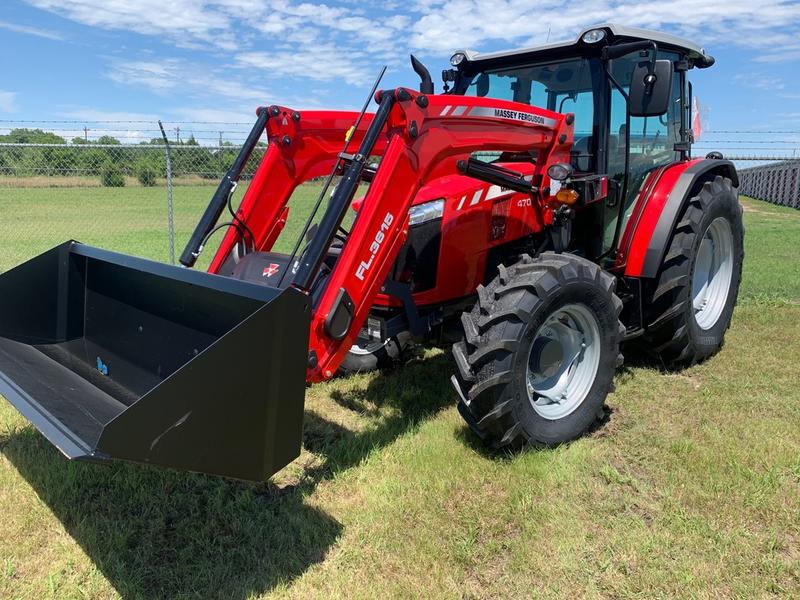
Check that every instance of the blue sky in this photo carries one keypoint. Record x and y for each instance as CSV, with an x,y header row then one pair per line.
x,y
185,60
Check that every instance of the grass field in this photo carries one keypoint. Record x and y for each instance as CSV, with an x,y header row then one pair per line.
x,y
690,489
132,220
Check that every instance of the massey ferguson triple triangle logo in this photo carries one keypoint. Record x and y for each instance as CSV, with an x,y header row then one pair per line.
x,y
271,270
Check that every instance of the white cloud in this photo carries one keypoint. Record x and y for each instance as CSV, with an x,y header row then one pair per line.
x,y
760,81
315,37
171,75
28,30
220,116
320,62
271,44
317,33
91,114
448,24
153,75
128,127
174,19
783,56
8,102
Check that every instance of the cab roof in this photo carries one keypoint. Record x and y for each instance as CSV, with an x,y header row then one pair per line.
x,y
614,33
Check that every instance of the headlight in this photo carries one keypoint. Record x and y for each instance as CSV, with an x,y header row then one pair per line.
x,y
422,213
559,171
593,36
457,58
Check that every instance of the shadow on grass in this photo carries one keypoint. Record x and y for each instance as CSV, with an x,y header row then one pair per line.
x,y
467,437
163,534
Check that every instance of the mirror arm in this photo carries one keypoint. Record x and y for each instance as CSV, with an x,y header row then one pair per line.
x,y
611,52
650,80
613,80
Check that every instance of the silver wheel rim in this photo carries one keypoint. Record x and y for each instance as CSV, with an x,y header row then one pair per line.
x,y
713,270
368,349
563,361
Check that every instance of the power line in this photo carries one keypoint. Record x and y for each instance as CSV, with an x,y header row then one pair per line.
x,y
748,131
84,121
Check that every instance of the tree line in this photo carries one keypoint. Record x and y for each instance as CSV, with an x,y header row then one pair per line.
x,y
146,160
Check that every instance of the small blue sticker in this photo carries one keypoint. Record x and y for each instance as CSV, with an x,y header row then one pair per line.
x,y
101,366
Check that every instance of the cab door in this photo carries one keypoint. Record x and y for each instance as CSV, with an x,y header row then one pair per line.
x,y
647,142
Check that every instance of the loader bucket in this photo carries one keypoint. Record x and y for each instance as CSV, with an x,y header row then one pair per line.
x,y
115,357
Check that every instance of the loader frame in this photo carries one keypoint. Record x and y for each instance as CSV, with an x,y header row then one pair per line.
x,y
419,138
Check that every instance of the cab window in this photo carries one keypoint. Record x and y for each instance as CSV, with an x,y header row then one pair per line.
x,y
562,86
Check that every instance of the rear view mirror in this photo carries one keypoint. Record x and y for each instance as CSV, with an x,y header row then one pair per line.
x,y
482,85
650,92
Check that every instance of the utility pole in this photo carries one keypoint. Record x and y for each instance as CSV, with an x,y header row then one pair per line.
x,y
221,156
178,134
85,134
170,205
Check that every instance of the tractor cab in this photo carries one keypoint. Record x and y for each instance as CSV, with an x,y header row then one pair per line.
x,y
628,91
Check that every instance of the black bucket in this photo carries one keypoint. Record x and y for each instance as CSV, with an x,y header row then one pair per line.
x,y
116,357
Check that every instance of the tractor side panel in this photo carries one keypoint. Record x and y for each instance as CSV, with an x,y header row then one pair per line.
x,y
657,212
477,217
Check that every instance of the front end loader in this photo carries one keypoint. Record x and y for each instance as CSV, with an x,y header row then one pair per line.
x,y
541,215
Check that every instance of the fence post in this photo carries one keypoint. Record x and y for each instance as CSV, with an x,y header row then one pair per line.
x,y
170,212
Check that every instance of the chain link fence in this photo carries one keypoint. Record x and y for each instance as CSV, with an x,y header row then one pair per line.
x,y
141,199
778,183
139,192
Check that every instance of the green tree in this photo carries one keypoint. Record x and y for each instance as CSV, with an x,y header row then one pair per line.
x,y
108,140
111,176
31,136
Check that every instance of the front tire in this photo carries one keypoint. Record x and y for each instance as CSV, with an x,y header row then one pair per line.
x,y
539,352
698,282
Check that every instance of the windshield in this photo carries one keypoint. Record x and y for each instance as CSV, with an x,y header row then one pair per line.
x,y
563,86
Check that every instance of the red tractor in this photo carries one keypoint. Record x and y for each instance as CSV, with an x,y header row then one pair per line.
x,y
539,213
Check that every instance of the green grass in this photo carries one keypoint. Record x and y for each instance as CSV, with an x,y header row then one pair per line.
x,y
131,220
691,489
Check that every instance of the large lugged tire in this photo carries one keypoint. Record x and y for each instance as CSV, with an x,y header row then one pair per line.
x,y
698,283
539,352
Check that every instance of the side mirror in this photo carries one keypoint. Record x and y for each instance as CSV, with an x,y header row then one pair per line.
x,y
650,91
482,85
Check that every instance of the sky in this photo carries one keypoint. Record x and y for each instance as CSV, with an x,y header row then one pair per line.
x,y
215,61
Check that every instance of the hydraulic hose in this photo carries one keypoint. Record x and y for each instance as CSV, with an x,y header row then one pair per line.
x,y
225,188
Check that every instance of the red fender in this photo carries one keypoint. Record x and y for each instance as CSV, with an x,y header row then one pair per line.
x,y
663,194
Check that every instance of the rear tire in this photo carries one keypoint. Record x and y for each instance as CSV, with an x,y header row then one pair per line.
x,y
523,376
698,283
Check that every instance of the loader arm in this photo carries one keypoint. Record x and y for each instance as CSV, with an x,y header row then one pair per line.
x,y
306,145
421,138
